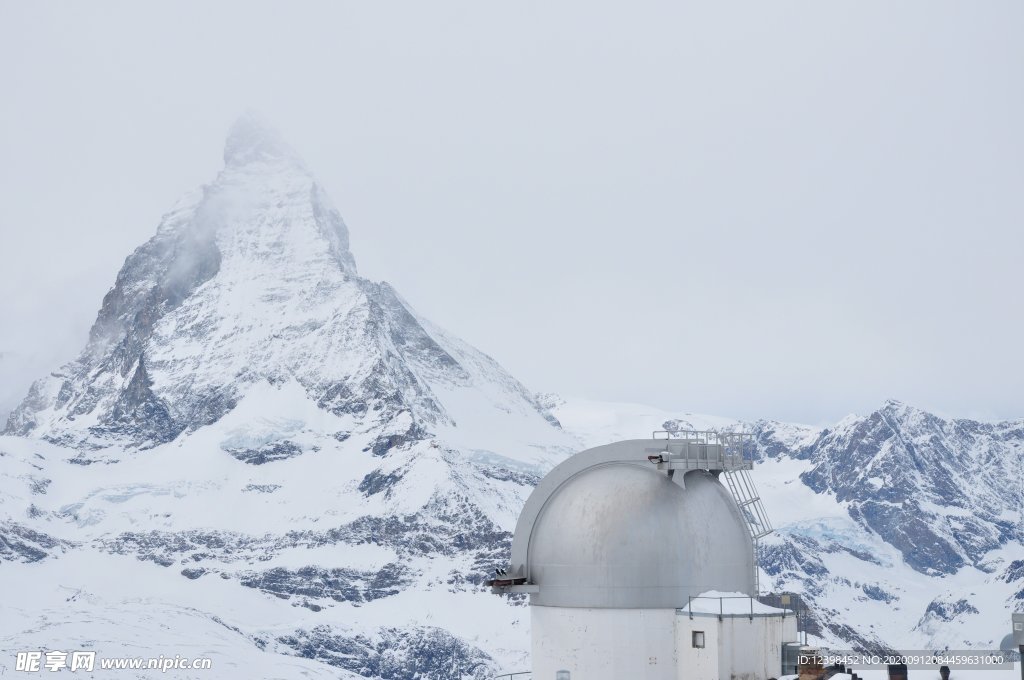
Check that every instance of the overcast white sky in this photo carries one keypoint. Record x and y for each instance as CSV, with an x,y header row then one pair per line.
x,y
778,209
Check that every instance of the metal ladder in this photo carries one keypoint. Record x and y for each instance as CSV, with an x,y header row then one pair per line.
x,y
743,490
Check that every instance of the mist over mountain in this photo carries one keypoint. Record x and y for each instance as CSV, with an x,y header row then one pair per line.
x,y
261,455
249,281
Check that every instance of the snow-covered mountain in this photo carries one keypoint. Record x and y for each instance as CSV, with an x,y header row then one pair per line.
x,y
262,457
901,529
249,282
288,448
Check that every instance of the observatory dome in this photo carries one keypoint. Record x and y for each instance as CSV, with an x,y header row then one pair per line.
x,y
624,535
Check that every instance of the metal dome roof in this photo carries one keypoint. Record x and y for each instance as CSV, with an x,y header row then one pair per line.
x,y
607,529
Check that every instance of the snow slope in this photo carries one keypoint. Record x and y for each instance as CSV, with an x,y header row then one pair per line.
x,y
262,457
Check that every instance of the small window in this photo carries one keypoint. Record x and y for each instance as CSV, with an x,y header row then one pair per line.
x,y
1019,625
698,639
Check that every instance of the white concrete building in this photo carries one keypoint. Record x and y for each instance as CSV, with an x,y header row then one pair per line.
x,y
640,564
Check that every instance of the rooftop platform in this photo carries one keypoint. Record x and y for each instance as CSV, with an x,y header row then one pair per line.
x,y
701,450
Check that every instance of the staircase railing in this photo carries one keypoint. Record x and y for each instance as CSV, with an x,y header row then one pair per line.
x,y
745,493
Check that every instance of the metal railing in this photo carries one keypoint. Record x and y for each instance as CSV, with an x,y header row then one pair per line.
x,y
721,607
795,603
706,448
513,676
743,491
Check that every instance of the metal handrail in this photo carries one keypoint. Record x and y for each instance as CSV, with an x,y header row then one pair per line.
x,y
512,675
734,448
721,604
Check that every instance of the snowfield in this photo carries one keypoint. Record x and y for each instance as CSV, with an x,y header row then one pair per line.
x,y
263,458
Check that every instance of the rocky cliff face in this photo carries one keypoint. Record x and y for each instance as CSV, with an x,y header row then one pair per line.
x,y
250,280
915,514
945,493
941,491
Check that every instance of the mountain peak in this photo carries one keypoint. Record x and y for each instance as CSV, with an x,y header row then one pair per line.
x,y
250,282
902,414
252,139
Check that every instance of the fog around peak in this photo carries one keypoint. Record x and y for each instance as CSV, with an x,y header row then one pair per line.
x,y
780,210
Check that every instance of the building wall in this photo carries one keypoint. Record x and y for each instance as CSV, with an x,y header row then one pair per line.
x,y
604,644
694,663
742,649
655,644
752,650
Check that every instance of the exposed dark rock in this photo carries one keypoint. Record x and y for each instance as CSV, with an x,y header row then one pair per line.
x,y
38,486
166,548
768,443
876,592
262,488
419,653
947,611
18,543
340,585
446,528
506,475
385,443
138,414
22,420
281,450
798,556
377,482
1014,572
339,399
154,280
905,527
